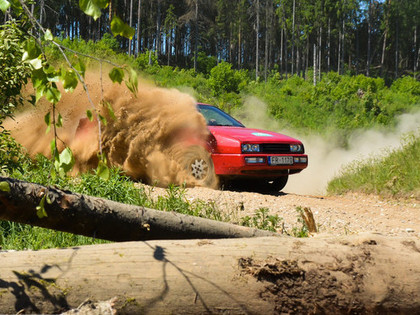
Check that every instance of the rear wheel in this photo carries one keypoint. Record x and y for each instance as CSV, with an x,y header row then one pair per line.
x,y
197,161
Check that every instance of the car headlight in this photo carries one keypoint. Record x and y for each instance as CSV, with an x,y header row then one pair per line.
x,y
246,148
296,148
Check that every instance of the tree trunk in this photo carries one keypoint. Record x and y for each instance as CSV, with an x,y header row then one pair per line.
x,y
343,275
369,38
293,36
257,31
105,219
131,25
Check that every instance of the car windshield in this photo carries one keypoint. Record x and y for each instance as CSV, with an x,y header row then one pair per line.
x,y
216,117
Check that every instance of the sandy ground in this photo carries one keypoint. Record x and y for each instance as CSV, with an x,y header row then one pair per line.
x,y
338,215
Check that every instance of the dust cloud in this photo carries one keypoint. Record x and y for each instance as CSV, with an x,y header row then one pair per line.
x,y
326,159
146,138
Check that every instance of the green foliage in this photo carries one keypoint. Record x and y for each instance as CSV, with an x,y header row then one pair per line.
x,y
263,220
14,74
93,7
146,60
118,27
205,63
11,154
224,79
396,174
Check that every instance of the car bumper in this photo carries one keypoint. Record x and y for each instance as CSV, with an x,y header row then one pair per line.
x,y
236,165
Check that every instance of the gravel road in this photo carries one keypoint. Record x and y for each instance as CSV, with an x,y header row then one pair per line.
x,y
338,215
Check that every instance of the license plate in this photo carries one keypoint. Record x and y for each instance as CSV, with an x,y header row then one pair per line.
x,y
280,160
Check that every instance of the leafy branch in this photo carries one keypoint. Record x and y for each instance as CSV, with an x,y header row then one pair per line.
x,y
45,77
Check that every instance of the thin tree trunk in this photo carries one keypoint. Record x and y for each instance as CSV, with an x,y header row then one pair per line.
x,y
336,275
314,76
343,44
138,28
397,29
131,25
281,51
369,39
158,30
293,37
240,44
257,30
196,36
329,46
105,219
339,52
319,53
415,52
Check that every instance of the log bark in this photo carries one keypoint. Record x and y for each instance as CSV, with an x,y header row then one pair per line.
x,y
359,274
105,219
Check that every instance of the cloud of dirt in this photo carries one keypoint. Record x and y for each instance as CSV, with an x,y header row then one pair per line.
x,y
326,159
147,139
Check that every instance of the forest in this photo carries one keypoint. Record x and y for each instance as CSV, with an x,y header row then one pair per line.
x,y
375,38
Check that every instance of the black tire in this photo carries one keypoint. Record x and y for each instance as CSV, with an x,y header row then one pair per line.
x,y
271,186
197,161
278,184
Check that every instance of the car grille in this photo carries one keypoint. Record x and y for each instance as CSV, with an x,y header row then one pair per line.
x,y
275,148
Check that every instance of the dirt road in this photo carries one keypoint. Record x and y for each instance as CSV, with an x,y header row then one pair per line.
x,y
338,215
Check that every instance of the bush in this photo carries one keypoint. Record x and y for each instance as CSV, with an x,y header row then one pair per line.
x,y
205,63
224,79
146,59
14,73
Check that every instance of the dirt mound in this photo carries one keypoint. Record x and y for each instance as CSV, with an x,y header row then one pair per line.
x,y
146,138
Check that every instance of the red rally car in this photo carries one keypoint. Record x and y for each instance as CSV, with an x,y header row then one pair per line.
x,y
262,158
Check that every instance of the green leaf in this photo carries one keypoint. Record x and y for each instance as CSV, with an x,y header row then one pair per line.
x,y
69,79
54,151
40,210
81,67
102,170
4,186
118,27
89,115
116,75
59,122
4,5
48,35
66,158
39,78
36,63
53,95
110,110
93,7
32,50
132,83
65,162
47,119
103,120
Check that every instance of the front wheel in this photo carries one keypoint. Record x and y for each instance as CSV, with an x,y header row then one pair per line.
x,y
198,163
278,183
273,185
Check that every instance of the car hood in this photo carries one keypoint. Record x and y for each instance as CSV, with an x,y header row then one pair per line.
x,y
250,135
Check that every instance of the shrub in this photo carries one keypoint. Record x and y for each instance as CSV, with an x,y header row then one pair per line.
x,y
224,79
14,73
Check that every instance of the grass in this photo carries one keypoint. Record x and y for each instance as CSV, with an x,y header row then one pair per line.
x,y
395,175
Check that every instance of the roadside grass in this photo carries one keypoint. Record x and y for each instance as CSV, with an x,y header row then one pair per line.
x,y
395,175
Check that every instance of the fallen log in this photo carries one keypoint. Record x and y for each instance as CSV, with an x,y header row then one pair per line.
x,y
105,219
359,274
